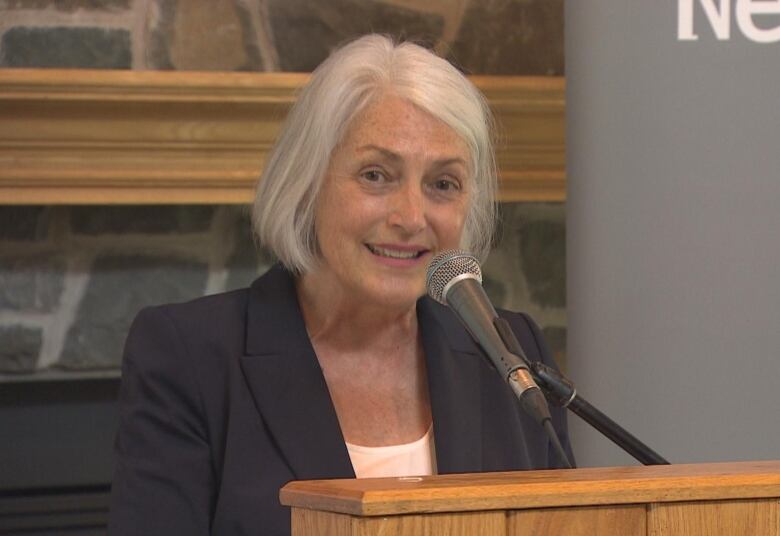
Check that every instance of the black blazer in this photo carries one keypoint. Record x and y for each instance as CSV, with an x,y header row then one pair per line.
x,y
223,402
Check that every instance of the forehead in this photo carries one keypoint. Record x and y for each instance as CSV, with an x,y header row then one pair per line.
x,y
396,124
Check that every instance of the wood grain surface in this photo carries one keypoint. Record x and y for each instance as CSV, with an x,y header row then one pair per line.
x,y
537,489
724,518
458,524
584,521
101,137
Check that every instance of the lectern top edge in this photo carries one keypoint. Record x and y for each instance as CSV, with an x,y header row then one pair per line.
x,y
537,489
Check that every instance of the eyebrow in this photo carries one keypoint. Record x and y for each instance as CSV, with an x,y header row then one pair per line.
x,y
395,157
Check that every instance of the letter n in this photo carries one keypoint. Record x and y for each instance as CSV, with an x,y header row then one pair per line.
x,y
719,18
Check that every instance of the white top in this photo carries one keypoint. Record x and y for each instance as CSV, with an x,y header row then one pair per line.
x,y
417,458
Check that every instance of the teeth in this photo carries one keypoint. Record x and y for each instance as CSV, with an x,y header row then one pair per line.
x,y
392,253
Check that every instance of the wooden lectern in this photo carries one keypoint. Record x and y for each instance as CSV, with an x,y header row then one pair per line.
x,y
719,499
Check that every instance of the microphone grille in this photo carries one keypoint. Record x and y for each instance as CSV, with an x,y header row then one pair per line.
x,y
446,266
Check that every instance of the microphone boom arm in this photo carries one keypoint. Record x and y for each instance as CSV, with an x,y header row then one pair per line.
x,y
561,391
553,383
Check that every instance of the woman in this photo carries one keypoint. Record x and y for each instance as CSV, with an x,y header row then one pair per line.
x,y
333,364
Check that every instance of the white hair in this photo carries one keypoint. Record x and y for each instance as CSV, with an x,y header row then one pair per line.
x,y
285,200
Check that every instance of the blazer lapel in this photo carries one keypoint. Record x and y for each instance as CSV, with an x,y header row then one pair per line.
x,y
289,389
287,384
454,379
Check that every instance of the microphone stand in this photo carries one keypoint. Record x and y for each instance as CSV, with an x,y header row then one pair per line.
x,y
561,391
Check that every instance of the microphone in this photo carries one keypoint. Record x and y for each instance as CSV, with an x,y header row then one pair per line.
x,y
455,279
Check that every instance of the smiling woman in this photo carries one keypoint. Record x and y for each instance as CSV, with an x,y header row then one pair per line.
x,y
396,191
354,78
334,363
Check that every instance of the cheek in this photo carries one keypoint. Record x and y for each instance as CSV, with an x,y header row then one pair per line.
x,y
326,227
343,223
330,212
359,216
450,224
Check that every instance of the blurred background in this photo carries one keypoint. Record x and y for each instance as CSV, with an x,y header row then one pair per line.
x,y
652,268
72,277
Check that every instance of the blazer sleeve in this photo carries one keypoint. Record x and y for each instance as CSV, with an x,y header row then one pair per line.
x,y
558,414
163,478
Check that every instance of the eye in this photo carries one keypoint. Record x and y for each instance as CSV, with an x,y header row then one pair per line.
x,y
446,184
374,175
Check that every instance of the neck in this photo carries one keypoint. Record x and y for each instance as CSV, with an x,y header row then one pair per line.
x,y
349,322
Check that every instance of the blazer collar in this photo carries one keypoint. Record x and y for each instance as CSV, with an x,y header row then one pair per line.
x,y
287,384
290,392
454,380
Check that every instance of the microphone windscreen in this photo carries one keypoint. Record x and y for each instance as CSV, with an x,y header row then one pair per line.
x,y
447,266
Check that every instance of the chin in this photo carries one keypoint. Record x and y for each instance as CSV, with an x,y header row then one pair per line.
x,y
396,297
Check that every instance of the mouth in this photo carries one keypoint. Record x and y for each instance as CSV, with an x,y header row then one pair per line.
x,y
396,253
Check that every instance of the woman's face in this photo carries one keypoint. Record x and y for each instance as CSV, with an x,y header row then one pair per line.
x,y
396,192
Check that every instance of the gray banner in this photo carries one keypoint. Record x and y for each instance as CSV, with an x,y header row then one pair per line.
x,y
673,224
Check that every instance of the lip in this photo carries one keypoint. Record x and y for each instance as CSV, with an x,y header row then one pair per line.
x,y
400,263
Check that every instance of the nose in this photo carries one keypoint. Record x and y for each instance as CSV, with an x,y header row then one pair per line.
x,y
407,211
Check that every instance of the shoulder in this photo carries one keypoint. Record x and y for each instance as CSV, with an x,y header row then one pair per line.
x,y
215,317
173,337
211,330
528,333
197,317
526,330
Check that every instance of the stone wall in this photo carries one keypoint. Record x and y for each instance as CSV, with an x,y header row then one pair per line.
x,y
72,278
481,36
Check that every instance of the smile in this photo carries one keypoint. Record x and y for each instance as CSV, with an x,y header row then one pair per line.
x,y
394,253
